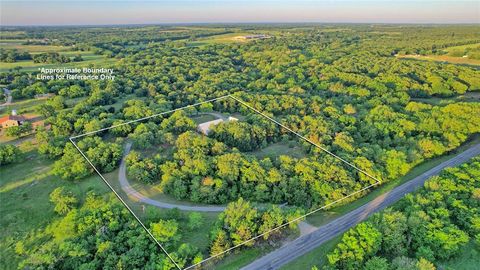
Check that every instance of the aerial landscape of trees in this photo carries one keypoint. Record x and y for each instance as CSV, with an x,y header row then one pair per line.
x,y
343,88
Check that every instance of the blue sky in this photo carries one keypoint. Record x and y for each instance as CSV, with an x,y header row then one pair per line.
x,y
190,11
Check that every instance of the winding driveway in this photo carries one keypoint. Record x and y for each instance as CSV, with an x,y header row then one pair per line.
x,y
132,193
214,114
8,93
308,242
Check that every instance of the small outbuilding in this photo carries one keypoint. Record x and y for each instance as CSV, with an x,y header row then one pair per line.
x,y
12,120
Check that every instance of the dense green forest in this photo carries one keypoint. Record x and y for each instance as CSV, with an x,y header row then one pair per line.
x,y
424,229
340,86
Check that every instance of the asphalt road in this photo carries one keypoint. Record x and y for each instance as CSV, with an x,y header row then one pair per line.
x,y
137,196
308,242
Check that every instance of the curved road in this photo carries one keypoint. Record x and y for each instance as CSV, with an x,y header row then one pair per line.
x,y
308,242
132,193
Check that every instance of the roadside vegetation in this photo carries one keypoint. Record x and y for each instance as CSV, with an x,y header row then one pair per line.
x,y
429,227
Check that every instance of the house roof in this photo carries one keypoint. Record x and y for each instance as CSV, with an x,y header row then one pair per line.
x,y
205,127
12,117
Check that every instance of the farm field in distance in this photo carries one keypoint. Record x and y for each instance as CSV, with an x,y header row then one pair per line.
x,y
88,57
219,139
464,54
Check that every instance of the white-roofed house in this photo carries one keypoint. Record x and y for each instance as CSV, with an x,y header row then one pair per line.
x,y
205,127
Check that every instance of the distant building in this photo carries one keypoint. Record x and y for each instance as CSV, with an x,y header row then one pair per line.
x,y
255,36
15,120
12,120
205,127
260,36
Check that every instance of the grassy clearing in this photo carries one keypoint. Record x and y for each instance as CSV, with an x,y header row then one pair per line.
x,y
22,106
291,148
200,237
24,194
437,101
119,101
463,47
442,58
34,49
322,217
240,258
463,54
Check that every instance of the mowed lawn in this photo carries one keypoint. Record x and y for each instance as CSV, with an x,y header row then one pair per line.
x,y
24,196
290,148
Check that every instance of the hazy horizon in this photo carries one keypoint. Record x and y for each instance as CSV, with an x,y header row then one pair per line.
x,y
88,13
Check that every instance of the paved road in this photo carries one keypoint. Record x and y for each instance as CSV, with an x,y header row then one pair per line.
x,y
132,193
306,243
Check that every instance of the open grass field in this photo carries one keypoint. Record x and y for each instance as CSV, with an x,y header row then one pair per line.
x,y
221,39
29,65
89,58
456,55
16,44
